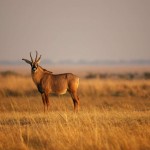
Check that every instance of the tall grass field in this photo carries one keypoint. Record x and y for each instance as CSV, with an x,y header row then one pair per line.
x,y
114,115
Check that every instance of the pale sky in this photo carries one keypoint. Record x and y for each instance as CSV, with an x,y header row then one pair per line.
x,y
75,29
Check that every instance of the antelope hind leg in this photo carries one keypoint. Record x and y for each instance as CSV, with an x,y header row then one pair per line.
x,y
75,99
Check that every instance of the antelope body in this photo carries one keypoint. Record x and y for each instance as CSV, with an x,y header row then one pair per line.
x,y
48,83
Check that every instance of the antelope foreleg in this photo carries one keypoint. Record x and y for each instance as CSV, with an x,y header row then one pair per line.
x,y
47,100
44,100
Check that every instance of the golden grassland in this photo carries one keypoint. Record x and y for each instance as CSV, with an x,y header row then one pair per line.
x,y
114,115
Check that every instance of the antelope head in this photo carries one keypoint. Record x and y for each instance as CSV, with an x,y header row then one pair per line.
x,y
34,63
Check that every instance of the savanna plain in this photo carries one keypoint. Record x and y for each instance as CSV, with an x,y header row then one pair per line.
x,y
114,114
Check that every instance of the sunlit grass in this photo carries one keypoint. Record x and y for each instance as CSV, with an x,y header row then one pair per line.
x,y
114,114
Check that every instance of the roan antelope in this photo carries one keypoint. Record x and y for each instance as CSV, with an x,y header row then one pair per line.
x,y
48,83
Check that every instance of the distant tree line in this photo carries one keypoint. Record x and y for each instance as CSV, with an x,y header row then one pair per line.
x,y
128,76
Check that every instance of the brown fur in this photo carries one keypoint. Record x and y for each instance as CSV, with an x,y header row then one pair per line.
x,y
47,83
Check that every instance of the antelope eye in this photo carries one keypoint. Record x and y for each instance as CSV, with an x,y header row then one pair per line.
x,y
34,68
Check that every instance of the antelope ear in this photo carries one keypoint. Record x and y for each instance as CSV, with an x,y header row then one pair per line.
x,y
38,61
27,61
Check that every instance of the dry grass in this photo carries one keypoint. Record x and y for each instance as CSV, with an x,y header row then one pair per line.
x,y
114,114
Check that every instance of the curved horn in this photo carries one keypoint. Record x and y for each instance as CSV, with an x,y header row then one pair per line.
x,y
39,58
36,56
31,57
